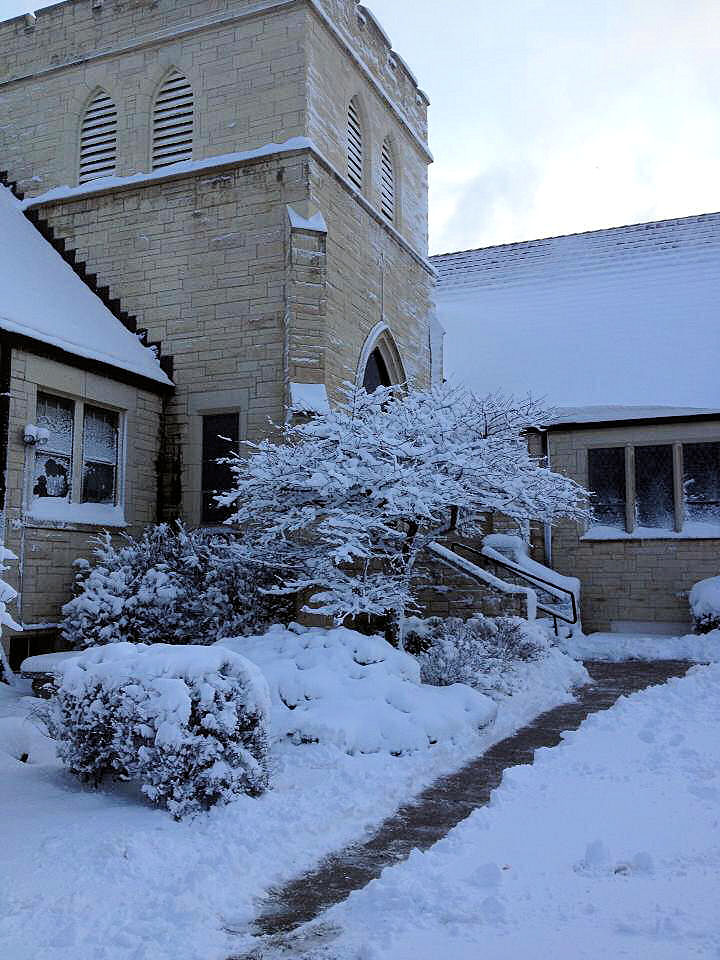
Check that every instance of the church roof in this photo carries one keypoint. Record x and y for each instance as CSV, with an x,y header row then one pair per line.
x,y
626,317
43,299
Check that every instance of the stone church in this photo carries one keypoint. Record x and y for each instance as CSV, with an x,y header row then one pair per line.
x,y
213,214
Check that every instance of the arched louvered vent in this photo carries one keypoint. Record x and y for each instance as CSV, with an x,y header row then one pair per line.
x,y
387,183
173,122
355,145
98,139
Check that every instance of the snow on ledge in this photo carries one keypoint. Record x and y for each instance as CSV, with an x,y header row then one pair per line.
x,y
53,510
309,398
314,224
175,169
693,530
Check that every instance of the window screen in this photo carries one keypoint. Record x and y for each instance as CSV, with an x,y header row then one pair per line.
x,y
100,456
221,435
654,496
53,461
98,139
387,182
701,463
355,145
606,480
173,120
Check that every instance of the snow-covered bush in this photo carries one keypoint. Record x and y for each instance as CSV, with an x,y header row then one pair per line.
x,y
705,605
357,693
169,585
7,595
481,652
188,724
346,502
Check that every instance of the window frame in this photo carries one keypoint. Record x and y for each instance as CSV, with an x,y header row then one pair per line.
x,y
203,415
680,517
75,497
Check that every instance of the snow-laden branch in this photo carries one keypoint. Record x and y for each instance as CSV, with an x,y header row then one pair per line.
x,y
345,502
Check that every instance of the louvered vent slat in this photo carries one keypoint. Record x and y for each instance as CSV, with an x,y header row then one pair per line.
x,y
355,146
98,139
387,183
173,122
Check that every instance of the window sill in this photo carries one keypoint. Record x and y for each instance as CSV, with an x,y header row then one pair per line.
x,y
51,512
691,531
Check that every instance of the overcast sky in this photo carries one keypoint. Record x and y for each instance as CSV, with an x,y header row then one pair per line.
x,y
551,116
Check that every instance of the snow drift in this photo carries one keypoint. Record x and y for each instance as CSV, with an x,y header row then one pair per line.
x,y
358,693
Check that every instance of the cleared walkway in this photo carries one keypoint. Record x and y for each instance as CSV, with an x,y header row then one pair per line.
x,y
434,812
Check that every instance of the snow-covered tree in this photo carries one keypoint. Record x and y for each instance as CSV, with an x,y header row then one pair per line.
x,y
7,595
345,503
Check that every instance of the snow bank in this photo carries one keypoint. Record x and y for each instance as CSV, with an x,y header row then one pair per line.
x,y
697,648
358,693
705,603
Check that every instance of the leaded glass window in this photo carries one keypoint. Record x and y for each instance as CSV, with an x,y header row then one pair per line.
x,y
701,468
654,493
606,480
100,456
52,476
221,435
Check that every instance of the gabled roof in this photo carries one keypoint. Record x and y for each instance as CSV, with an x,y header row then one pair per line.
x,y
42,299
623,317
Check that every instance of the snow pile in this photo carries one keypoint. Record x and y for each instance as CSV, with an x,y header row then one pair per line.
x,y
358,693
705,605
607,846
615,647
188,723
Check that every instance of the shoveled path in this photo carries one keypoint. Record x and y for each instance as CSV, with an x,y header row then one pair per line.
x,y
447,801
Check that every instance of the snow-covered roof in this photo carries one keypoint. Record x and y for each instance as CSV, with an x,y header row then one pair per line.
x,y
623,317
41,297
616,413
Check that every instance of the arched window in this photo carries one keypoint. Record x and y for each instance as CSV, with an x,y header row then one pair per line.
x,y
387,182
173,122
98,139
376,373
355,146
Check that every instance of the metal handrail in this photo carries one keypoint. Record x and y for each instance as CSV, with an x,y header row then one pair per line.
x,y
531,578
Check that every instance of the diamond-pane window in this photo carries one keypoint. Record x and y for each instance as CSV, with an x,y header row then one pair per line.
x,y
654,494
701,462
606,481
100,455
52,475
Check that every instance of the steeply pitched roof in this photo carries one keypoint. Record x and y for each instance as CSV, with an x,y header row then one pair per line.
x,y
41,298
628,316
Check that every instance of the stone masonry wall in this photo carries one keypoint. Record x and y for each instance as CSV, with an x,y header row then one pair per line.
x,y
248,79
201,260
372,279
630,579
47,549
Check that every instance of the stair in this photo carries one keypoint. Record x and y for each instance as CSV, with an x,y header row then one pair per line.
x,y
70,256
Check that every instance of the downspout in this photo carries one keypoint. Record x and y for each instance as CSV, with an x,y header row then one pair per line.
x,y
547,527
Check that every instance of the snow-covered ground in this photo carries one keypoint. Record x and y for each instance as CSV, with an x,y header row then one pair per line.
x,y
607,847
101,875
615,647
